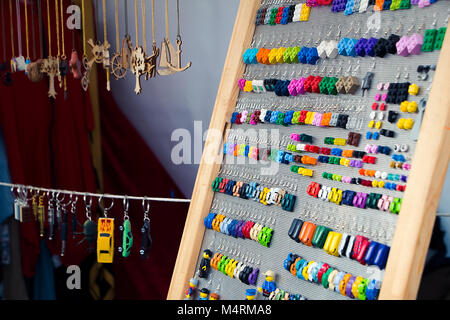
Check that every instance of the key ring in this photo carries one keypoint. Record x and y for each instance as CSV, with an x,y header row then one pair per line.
x,y
146,207
126,205
105,210
88,206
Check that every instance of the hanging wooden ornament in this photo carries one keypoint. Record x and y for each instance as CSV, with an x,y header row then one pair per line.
x,y
172,66
120,61
150,61
137,56
167,50
50,66
86,63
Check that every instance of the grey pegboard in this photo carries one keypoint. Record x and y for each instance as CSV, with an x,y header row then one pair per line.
x,y
376,225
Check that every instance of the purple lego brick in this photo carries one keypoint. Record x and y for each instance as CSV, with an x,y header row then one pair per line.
x,y
369,46
415,44
402,46
360,47
338,5
416,2
424,3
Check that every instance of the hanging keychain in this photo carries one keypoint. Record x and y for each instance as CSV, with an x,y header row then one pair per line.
x,y
64,226
73,211
34,68
145,231
120,60
125,228
150,61
105,236
178,67
41,215
27,60
167,50
137,56
89,226
86,64
4,73
51,215
20,60
63,66
74,63
13,58
106,46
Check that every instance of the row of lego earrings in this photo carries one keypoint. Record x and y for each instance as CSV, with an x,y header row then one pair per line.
x,y
345,222
317,104
351,47
99,235
344,283
226,221
358,248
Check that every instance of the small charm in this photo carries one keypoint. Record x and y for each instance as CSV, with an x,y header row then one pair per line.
x,y
138,67
268,285
203,294
205,264
191,290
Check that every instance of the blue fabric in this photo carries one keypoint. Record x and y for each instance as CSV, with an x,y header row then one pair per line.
x,y
44,281
6,198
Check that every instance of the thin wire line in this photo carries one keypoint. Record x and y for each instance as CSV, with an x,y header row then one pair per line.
x,y
96,195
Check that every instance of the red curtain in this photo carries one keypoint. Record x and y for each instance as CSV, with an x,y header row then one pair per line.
x,y
48,145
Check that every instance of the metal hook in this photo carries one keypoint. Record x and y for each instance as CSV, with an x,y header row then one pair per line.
x,y
105,210
146,207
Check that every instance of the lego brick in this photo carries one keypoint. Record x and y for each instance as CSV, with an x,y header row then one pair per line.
x,y
350,47
402,46
405,4
332,49
439,38
304,16
363,6
351,85
381,47
338,5
392,41
387,4
395,5
360,47
415,44
428,40
349,7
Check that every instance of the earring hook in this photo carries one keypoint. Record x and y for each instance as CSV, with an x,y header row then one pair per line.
x,y
146,207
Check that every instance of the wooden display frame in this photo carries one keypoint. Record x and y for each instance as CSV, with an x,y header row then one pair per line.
x,y
429,166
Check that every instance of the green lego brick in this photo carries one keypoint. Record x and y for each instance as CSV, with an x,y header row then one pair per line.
x,y
395,5
428,40
331,86
439,38
405,4
323,85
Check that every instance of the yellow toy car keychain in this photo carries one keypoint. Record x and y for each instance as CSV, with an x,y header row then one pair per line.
x,y
105,236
